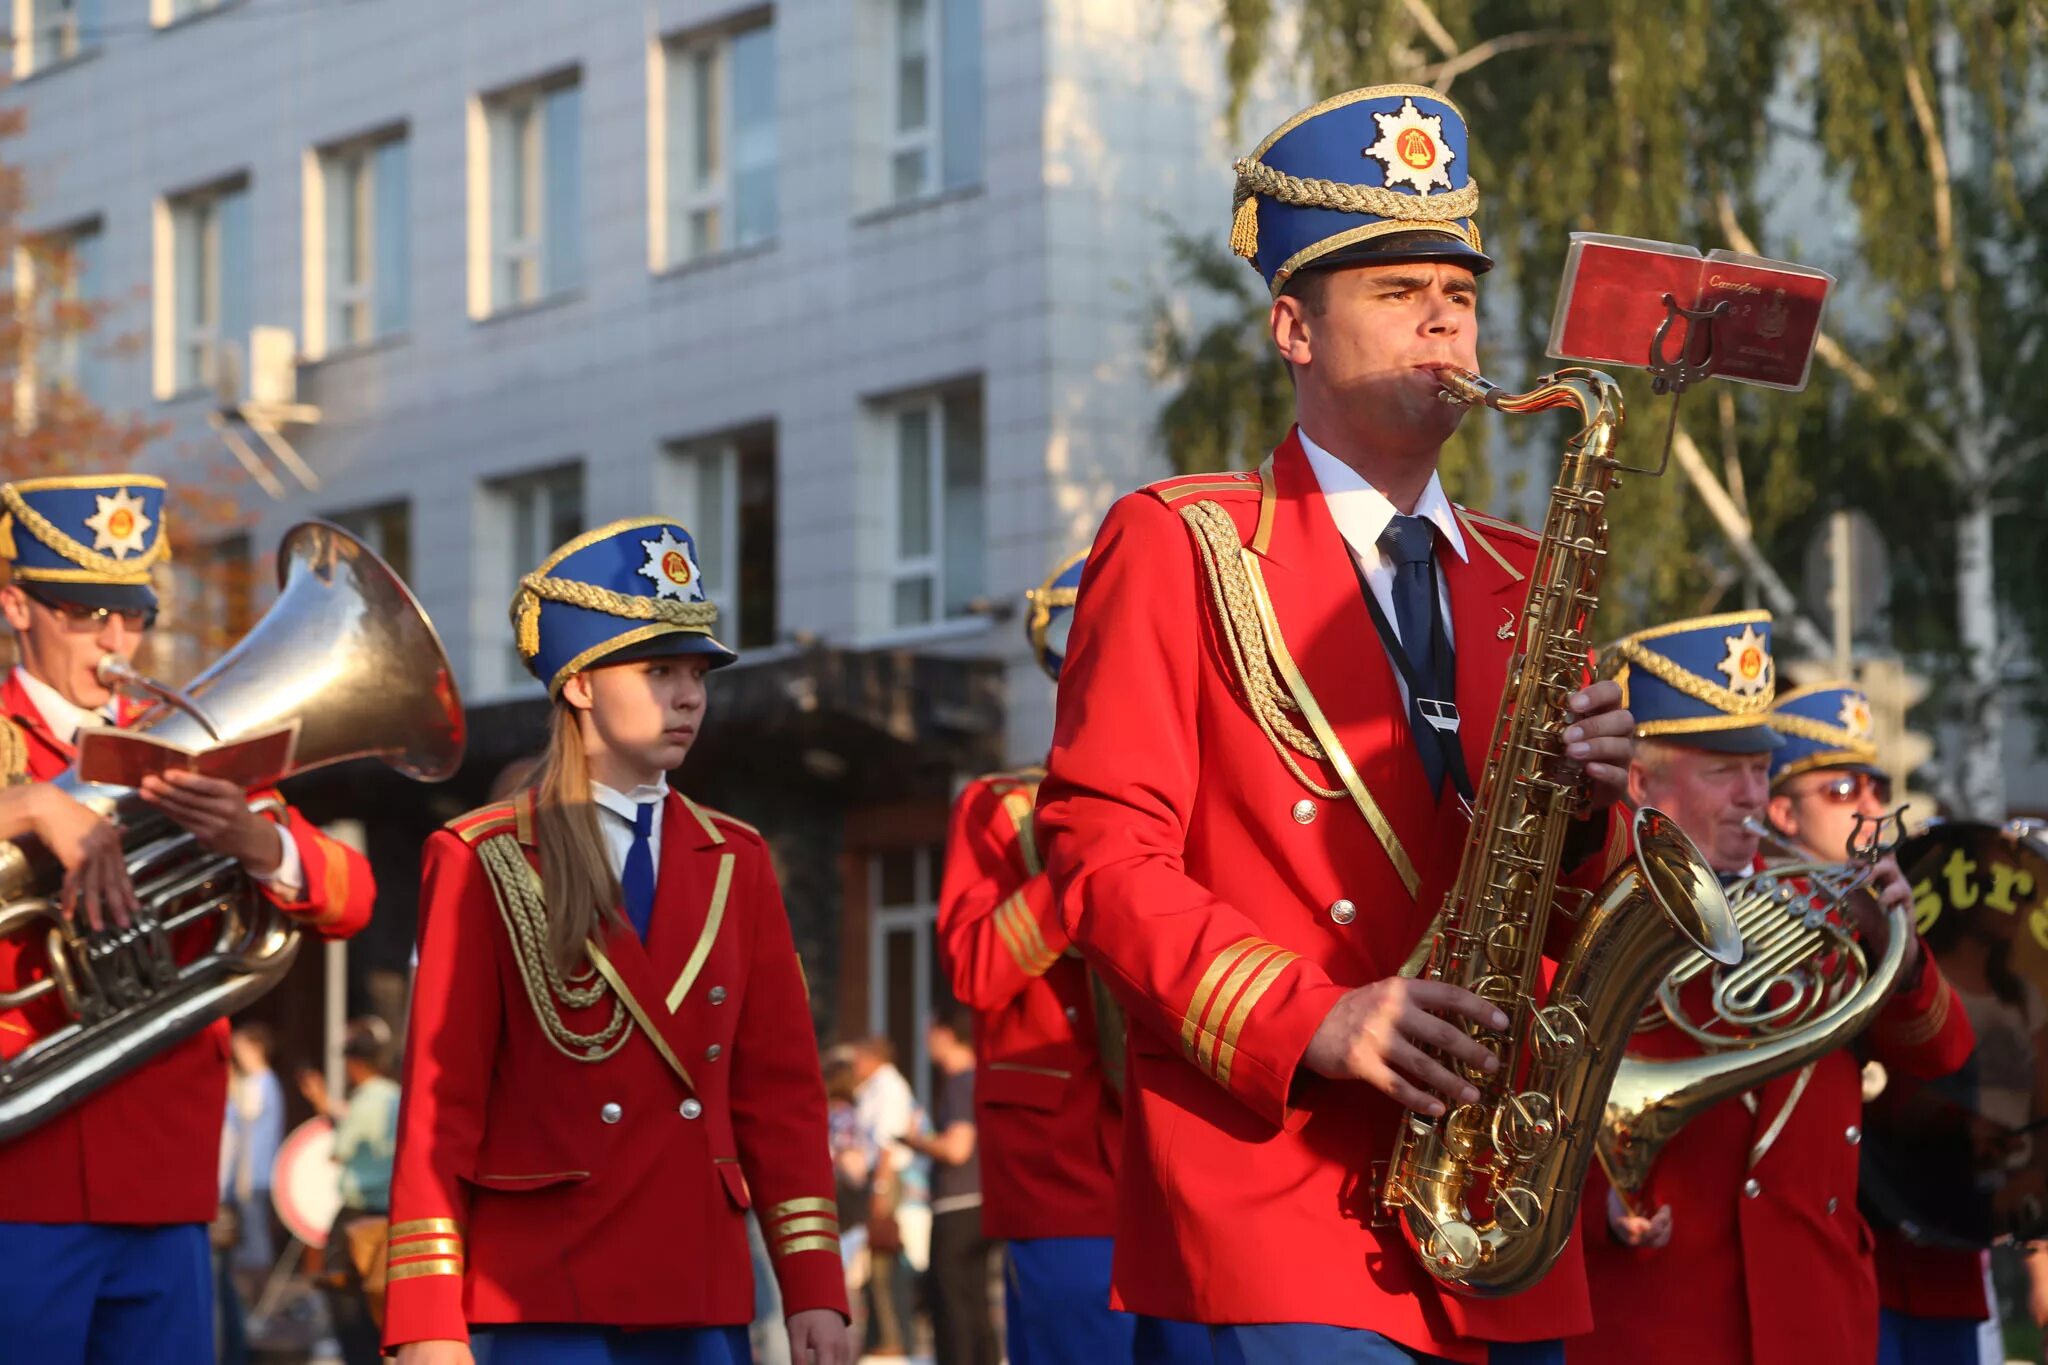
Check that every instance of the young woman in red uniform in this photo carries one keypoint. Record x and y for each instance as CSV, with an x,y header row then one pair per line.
x,y
611,1056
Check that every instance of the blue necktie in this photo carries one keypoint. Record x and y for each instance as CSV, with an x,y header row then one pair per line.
x,y
637,881
1410,542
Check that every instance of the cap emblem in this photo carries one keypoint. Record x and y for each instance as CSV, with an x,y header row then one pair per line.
x,y
1747,664
1411,147
119,524
670,568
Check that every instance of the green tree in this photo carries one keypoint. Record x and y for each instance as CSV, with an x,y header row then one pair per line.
x,y
1672,120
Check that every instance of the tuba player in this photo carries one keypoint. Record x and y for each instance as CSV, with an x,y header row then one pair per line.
x,y
104,1206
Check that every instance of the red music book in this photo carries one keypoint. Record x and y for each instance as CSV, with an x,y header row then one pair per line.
x,y
1612,304
122,758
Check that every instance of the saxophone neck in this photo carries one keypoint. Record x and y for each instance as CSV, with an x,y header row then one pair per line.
x,y
1594,394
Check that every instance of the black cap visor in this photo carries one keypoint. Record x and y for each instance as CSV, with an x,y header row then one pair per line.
x,y
1750,739
675,644
113,596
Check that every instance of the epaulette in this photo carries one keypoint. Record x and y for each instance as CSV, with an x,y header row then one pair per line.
x,y
1175,490
732,820
1494,523
500,817
1013,778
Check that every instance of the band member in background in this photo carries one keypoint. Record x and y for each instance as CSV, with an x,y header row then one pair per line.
x,y
1749,1235
1049,1049
1251,813
611,1054
104,1206
1934,1300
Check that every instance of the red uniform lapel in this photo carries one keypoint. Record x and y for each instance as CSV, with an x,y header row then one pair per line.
x,y
1321,611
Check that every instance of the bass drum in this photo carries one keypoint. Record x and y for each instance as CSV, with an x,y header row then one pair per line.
x,y
1963,1161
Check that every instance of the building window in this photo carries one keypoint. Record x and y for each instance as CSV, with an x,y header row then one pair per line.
x,y
940,515
203,270
358,262
718,166
905,985
723,489
58,276
935,96
57,30
526,196
386,530
209,604
532,514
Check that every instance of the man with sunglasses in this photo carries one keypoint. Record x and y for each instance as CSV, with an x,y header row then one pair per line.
x,y
104,1206
1934,1299
1748,1231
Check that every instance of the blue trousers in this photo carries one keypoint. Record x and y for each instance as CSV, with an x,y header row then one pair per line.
x,y
1056,1311
1311,1343
574,1344
87,1294
1905,1340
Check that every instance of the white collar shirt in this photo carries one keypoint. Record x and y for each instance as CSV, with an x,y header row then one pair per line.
x,y
618,829
1362,513
63,717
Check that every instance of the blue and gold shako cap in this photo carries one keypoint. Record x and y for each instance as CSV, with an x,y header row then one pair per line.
x,y
630,590
1051,613
87,538
1383,173
1825,725
1707,683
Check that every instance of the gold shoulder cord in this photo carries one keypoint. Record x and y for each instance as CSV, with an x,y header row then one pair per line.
x,y
517,889
1245,619
13,755
1237,617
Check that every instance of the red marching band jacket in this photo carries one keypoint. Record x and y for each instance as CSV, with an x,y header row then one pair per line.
x,y
1047,1116
146,1149
595,1164
1770,1260
1232,886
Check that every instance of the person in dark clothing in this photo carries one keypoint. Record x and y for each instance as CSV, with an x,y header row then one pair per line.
x,y
962,1332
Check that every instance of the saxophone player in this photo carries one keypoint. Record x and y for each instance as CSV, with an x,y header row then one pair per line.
x,y
1933,1299
1749,1233
1279,688
103,1207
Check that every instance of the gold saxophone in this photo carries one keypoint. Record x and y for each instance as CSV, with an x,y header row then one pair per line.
x,y
1805,986
1521,1150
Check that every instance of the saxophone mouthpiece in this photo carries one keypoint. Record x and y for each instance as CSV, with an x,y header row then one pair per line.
x,y
1463,388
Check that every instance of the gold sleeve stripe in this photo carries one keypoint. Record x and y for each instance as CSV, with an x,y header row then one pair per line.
x,y
790,1207
416,1226
1022,936
431,1246
1206,987
797,1225
1242,1010
1211,1024
791,1248
413,1270
1922,1027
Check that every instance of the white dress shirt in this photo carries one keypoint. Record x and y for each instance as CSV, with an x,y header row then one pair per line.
x,y
618,831
1362,513
64,719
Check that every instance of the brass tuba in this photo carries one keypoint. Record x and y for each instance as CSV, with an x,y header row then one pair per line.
x,y
1805,986
347,652
1521,1150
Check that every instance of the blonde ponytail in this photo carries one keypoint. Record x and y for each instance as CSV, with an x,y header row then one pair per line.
x,y
576,876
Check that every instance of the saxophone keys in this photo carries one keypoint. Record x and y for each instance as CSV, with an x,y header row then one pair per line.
x,y
1517,1208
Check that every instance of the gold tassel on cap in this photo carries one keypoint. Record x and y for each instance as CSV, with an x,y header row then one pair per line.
x,y
1244,228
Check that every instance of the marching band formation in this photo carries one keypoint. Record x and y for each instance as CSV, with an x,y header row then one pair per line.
x,y
1282,1052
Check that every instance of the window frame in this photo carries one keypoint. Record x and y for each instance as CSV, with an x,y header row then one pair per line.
x,y
510,188
926,138
328,299
930,565
684,60
191,326
55,364
515,560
